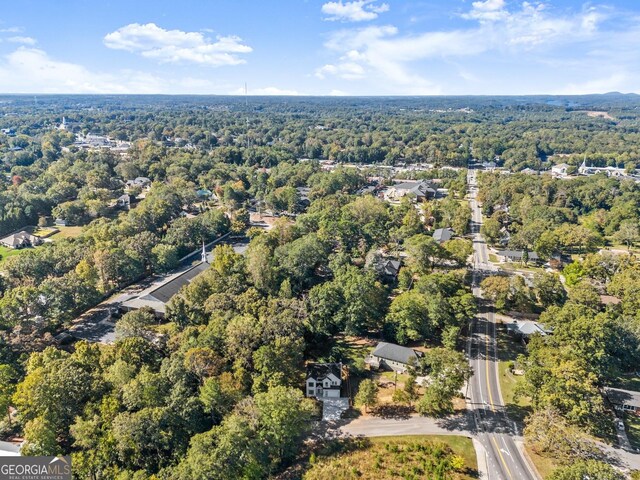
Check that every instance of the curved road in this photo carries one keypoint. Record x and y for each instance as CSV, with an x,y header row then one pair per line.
x,y
495,431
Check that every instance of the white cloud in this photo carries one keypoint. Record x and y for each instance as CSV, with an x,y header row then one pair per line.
x,y
346,70
489,10
31,70
11,30
28,70
357,11
176,46
23,40
337,93
385,52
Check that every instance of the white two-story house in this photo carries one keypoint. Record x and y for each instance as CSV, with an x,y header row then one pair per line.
x,y
324,380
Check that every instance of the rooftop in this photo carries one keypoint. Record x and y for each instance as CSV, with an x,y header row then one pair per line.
x,y
617,396
396,353
320,371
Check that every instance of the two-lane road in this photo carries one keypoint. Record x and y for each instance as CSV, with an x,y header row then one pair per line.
x,y
496,432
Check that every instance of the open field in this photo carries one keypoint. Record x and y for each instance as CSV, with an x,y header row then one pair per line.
x,y
67,232
403,457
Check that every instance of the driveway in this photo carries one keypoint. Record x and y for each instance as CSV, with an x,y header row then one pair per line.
x,y
413,425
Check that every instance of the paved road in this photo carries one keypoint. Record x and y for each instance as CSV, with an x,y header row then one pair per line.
x,y
495,431
411,425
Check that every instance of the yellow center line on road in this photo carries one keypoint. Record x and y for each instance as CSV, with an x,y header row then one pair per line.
x,y
486,345
501,456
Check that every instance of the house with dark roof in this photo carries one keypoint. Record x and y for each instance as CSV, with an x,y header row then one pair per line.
x,y
624,400
393,357
388,269
157,296
442,235
324,380
517,256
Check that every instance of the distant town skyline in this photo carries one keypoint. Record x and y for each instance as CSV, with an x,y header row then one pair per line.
x,y
309,47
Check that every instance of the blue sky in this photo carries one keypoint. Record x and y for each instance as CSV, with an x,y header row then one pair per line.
x,y
316,47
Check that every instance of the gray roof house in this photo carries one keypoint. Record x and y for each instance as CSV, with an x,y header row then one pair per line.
x,y
9,449
388,268
421,190
526,329
392,356
517,255
625,400
441,235
157,296
20,239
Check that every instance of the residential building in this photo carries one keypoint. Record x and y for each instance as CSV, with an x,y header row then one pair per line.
x,y
157,296
560,170
124,201
624,400
324,380
517,256
393,357
527,328
387,268
441,235
204,193
139,182
419,191
9,449
584,169
22,239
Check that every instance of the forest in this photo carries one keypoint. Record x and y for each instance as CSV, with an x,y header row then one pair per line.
x,y
214,390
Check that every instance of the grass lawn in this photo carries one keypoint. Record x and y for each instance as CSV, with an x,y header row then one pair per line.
x,y
544,465
508,351
493,258
6,252
45,232
67,232
402,457
632,425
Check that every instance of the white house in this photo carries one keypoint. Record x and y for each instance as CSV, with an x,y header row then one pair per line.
x,y
324,380
392,356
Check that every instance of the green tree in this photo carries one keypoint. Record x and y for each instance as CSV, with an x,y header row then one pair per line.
x,y
628,233
408,317
40,438
367,394
587,469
